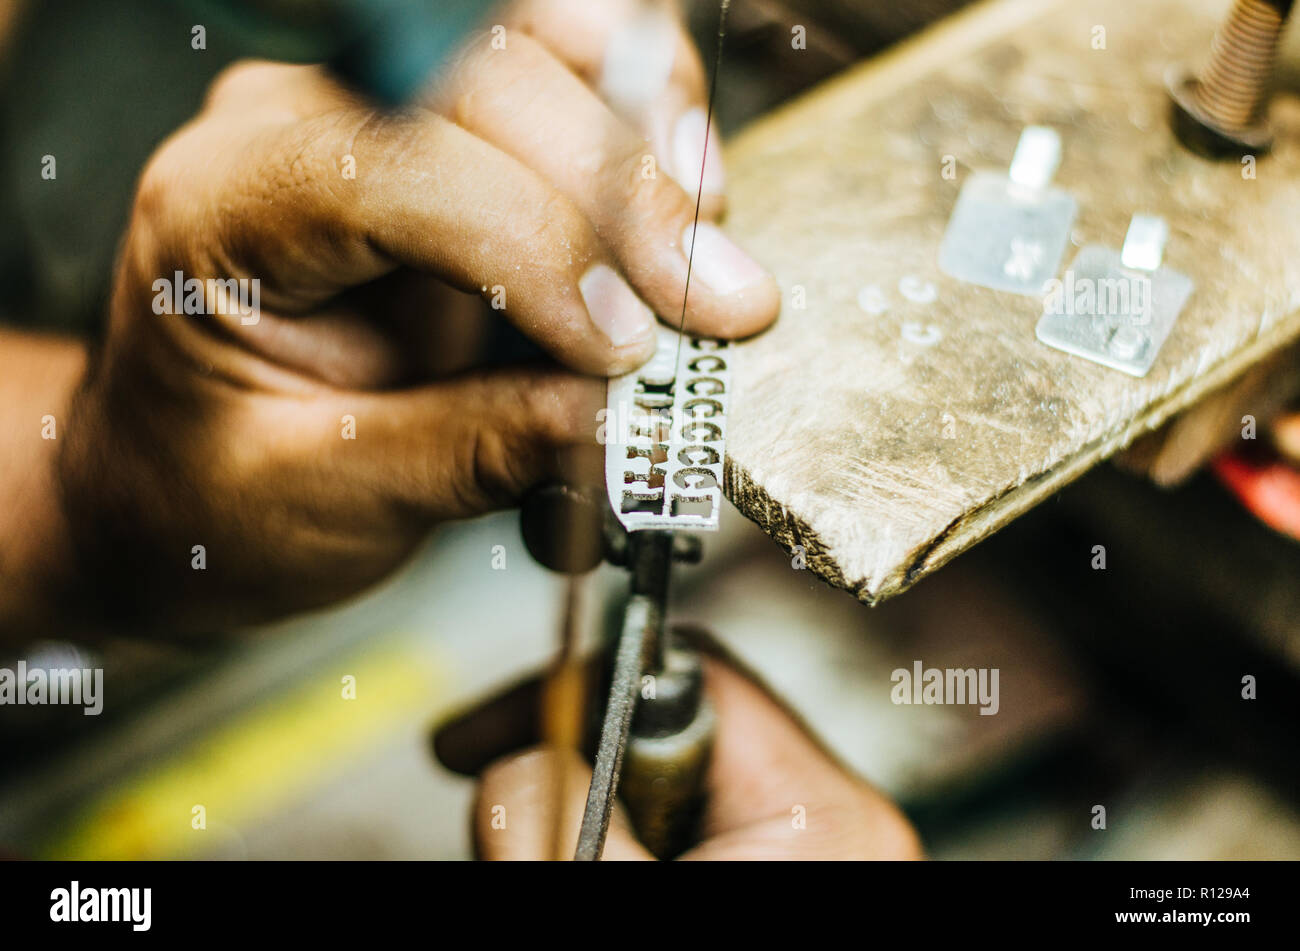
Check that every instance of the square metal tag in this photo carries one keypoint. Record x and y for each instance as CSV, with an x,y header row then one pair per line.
x,y
1114,315
1005,235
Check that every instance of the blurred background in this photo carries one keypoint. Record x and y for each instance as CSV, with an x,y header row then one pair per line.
x,y
1119,687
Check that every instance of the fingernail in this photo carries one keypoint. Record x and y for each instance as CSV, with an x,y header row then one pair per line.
x,y
614,307
718,262
689,136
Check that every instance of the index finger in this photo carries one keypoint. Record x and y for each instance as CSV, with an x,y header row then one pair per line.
x,y
317,193
638,55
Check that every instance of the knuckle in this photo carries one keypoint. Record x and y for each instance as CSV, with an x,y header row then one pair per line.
x,y
293,160
656,206
571,419
487,473
561,228
154,204
480,89
151,191
622,168
236,82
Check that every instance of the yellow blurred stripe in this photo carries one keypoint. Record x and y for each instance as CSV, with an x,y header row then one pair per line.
x,y
261,758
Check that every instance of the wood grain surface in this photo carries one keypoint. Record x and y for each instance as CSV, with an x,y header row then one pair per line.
x,y
886,443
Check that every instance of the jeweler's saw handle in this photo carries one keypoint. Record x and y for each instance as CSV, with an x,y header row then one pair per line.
x,y
667,755
657,731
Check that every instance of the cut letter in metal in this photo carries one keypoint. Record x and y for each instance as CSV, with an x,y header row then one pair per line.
x,y
665,436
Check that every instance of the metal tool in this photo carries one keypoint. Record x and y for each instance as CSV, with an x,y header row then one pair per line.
x,y
664,433
641,651
663,472
668,751
657,727
1223,113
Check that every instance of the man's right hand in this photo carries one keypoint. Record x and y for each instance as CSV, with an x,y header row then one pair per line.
x,y
516,181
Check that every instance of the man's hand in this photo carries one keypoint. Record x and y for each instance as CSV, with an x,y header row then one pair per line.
x,y
533,175
772,794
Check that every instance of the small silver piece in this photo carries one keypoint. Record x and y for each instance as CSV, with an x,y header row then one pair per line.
x,y
1038,155
1008,232
665,436
1117,308
1144,245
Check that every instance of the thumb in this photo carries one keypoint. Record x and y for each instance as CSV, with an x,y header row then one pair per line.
x,y
775,792
529,808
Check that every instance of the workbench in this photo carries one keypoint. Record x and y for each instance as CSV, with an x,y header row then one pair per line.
x,y
895,415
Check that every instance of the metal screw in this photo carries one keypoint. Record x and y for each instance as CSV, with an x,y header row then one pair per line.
x,y
1224,113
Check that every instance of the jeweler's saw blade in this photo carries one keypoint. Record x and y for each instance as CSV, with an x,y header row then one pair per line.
x,y
665,436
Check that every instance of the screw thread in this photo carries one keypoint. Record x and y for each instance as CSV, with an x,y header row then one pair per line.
x,y
1233,90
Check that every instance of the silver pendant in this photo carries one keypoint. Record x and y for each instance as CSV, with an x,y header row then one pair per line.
x,y
1117,308
1008,232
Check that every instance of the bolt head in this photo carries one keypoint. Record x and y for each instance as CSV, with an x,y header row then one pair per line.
x,y
1207,138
